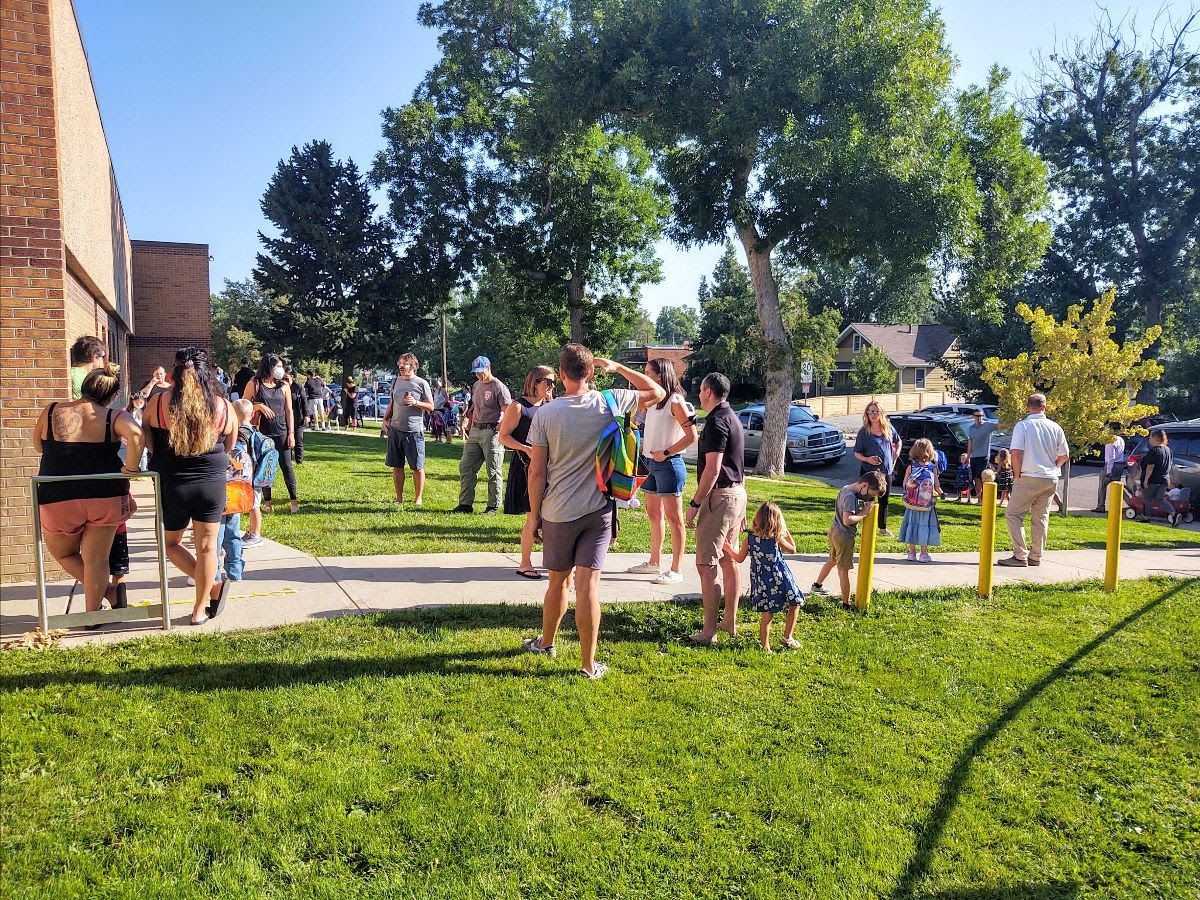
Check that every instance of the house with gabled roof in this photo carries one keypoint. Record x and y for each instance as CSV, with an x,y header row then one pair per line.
x,y
913,351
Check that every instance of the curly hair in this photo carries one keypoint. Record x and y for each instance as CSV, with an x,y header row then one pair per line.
x,y
194,399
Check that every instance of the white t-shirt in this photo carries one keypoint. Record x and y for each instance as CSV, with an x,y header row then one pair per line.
x,y
1041,441
662,429
569,428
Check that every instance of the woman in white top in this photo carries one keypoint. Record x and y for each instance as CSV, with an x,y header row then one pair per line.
x,y
670,429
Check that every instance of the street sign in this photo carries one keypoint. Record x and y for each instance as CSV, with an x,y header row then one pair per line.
x,y
806,373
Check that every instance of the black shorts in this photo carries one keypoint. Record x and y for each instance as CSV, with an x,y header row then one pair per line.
x,y
978,464
200,501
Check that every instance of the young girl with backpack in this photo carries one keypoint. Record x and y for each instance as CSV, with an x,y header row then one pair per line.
x,y
773,587
920,525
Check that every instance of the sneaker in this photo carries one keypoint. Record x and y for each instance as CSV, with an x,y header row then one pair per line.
x,y
534,645
818,589
925,557
644,569
491,511
191,582
669,578
251,540
887,533
599,670
791,643
912,556
463,508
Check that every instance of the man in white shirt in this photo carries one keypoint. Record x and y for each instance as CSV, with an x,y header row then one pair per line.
x,y
1038,448
1114,466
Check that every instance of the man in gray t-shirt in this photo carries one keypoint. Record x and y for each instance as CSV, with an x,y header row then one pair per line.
x,y
568,509
979,443
404,422
482,444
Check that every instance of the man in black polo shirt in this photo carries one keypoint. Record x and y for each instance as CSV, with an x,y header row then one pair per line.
x,y
718,511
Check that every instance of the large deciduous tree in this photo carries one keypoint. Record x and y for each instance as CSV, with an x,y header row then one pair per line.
x,y
330,263
809,127
476,170
1117,119
677,325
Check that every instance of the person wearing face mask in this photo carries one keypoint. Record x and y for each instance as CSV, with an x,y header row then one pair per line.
x,y
275,418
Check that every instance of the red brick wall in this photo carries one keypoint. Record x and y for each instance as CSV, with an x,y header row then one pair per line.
x,y
33,339
170,304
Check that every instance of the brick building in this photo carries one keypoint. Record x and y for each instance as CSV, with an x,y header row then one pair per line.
x,y
67,265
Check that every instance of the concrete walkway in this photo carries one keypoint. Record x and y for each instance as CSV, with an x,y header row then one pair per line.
x,y
283,585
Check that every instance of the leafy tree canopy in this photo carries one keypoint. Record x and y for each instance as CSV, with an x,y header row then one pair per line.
x,y
677,325
872,373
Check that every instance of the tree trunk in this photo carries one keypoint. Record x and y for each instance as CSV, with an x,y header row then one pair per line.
x,y
1066,489
778,358
576,302
347,369
1151,291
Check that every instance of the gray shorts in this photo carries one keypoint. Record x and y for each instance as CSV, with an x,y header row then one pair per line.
x,y
405,446
580,542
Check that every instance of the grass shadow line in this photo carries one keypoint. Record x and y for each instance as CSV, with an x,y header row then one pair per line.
x,y
931,833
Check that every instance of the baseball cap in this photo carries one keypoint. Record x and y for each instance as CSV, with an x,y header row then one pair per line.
x,y
479,363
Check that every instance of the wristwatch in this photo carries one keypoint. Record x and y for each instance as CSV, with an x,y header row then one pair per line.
x,y
693,504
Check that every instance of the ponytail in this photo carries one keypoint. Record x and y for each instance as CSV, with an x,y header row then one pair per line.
x,y
193,429
101,385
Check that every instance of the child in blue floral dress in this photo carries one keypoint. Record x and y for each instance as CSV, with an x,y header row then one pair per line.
x,y
773,588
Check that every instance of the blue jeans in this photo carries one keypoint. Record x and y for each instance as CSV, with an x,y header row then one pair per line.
x,y
666,478
230,540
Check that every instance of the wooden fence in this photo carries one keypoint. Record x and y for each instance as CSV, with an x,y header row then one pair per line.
x,y
828,407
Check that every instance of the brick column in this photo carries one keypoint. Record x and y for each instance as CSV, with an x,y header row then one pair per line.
x,y
33,346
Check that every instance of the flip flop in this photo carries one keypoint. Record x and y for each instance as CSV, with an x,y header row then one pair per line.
x,y
529,573
216,607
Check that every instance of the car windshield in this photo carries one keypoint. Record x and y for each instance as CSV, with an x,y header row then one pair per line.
x,y
800,416
960,433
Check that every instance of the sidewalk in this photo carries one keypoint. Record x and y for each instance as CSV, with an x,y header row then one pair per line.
x,y
283,585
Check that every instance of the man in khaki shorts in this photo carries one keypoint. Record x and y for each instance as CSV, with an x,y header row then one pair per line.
x,y
718,511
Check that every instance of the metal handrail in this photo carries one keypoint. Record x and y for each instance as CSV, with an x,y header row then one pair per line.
x,y
111,615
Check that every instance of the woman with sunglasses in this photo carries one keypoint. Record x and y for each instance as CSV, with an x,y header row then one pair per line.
x,y
877,448
514,434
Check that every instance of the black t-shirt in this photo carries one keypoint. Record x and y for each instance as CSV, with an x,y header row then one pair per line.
x,y
723,434
241,378
1160,458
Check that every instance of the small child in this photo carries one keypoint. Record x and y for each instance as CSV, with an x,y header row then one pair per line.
x,y
964,481
1004,476
246,434
772,585
854,503
920,524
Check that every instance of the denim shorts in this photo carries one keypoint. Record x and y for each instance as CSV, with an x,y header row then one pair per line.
x,y
666,478
405,446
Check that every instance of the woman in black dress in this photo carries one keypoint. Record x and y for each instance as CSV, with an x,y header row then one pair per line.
x,y
514,434
275,418
189,431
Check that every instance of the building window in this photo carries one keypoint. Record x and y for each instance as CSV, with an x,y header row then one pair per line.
x,y
920,379
829,383
857,342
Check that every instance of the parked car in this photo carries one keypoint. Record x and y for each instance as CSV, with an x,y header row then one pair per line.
x,y
1184,440
809,440
961,409
948,433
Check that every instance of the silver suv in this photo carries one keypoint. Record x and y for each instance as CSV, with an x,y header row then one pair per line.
x,y
809,440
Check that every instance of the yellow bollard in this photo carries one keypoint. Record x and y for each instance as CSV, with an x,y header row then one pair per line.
x,y
987,539
1112,547
866,562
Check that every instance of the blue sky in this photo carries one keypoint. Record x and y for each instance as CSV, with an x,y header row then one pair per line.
x,y
201,100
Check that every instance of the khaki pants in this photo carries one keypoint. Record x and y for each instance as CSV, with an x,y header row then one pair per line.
x,y
1029,495
482,446
1118,473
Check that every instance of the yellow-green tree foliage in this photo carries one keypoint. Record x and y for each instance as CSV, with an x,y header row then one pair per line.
x,y
1087,377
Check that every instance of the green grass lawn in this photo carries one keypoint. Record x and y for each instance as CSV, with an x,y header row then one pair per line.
x,y
1042,744
348,509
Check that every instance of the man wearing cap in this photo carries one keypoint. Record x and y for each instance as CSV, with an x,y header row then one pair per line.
x,y
979,447
489,396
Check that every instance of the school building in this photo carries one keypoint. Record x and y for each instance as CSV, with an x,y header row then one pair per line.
x,y
67,264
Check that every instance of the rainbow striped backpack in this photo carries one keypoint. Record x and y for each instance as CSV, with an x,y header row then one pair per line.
x,y
617,454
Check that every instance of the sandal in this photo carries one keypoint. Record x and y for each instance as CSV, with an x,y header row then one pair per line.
x,y
529,573
217,606
192,621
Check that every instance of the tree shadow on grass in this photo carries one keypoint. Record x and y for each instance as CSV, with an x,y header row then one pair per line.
x,y
930,834
1050,890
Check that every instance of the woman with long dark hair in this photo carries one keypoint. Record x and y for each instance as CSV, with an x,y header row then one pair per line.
x,y
190,430
80,518
670,429
274,417
514,434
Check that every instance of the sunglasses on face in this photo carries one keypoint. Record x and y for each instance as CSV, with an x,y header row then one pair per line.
x,y
872,412
549,381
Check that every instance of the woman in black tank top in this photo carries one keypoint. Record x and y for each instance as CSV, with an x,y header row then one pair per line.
x,y
191,428
80,518
275,419
514,434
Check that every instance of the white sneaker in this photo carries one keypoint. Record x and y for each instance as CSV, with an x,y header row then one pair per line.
x,y
669,577
645,569
191,582
251,540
